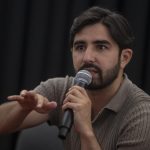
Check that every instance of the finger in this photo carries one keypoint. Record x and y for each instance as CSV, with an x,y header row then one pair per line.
x,y
47,107
69,105
81,89
76,90
40,103
23,92
40,100
29,94
75,96
50,105
15,98
71,98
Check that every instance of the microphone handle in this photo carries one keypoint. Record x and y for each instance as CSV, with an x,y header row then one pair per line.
x,y
66,123
68,117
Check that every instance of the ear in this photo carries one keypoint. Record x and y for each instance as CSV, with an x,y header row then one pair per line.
x,y
126,56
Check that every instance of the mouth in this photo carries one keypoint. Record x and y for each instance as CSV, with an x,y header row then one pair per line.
x,y
91,69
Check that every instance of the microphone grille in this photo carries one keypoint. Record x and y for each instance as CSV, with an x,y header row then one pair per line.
x,y
83,76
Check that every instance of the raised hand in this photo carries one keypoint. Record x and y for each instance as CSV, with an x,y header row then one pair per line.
x,y
29,100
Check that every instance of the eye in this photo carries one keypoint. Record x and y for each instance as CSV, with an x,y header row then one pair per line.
x,y
101,47
79,47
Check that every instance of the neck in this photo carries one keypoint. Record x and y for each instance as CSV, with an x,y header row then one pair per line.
x,y
101,97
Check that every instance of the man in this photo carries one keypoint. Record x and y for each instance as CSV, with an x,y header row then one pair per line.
x,y
111,113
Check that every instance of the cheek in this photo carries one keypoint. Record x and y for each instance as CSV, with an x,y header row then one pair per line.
x,y
109,63
77,60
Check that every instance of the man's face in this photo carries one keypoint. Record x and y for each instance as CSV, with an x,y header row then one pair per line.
x,y
94,50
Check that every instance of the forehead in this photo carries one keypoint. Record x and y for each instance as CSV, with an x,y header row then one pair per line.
x,y
94,32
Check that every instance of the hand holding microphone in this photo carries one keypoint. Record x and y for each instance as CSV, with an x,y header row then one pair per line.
x,y
83,78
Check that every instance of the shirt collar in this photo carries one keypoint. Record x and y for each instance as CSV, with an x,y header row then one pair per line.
x,y
118,100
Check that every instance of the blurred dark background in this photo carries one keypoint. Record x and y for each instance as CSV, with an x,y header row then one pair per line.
x,y
34,43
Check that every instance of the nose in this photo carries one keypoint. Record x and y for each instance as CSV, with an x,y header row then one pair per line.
x,y
89,55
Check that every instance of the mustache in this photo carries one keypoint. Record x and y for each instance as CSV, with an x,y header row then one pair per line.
x,y
88,66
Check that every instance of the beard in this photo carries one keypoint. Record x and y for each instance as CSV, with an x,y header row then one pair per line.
x,y
103,79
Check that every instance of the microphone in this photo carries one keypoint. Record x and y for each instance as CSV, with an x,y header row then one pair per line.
x,y
83,78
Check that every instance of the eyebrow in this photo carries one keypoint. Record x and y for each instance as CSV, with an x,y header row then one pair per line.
x,y
95,42
102,42
79,42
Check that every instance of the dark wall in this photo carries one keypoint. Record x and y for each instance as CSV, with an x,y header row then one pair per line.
x,y
34,42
